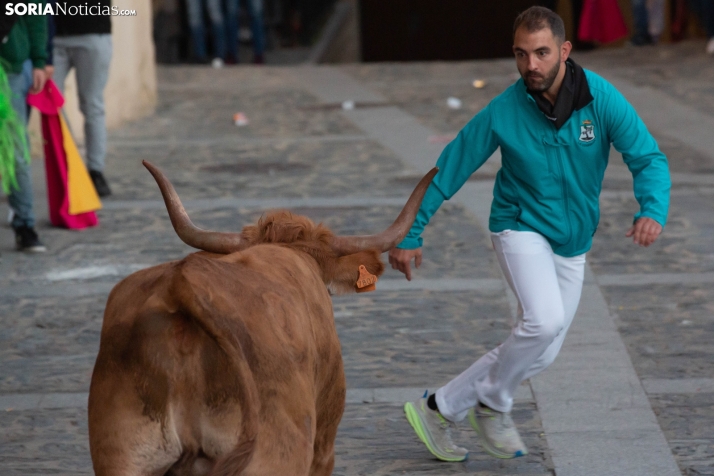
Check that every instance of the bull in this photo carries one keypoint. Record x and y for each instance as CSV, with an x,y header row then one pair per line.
x,y
227,362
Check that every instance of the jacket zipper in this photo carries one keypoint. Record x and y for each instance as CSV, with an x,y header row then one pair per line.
x,y
565,192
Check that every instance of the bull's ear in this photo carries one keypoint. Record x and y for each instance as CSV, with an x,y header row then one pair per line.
x,y
347,270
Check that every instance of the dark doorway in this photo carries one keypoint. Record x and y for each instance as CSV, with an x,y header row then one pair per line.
x,y
425,30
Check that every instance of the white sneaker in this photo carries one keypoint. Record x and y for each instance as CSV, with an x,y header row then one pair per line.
x,y
497,432
710,46
434,431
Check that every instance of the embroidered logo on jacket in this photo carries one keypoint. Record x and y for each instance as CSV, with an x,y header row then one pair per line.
x,y
587,131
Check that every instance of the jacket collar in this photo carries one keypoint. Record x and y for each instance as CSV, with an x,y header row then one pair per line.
x,y
574,95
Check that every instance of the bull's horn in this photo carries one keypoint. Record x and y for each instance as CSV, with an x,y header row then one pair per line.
x,y
344,245
211,241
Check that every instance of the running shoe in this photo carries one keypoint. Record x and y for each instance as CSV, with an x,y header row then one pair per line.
x,y
497,433
434,431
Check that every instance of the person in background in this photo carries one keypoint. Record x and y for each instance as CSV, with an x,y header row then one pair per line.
x,y
255,11
51,28
194,10
23,54
704,9
648,21
84,42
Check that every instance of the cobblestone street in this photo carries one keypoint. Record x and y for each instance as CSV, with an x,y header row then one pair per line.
x,y
634,387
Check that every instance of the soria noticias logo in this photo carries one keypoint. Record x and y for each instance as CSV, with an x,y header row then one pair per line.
x,y
61,8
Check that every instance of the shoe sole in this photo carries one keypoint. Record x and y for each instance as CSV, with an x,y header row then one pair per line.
x,y
415,421
36,249
487,446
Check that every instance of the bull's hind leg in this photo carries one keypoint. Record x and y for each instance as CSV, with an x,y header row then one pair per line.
x,y
123,440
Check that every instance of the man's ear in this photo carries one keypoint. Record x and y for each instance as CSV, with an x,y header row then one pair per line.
x,y
565,50
346,272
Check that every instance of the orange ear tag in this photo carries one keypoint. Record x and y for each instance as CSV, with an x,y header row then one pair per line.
x,y
366,281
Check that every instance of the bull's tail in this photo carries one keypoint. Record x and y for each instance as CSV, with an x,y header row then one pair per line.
x,y
211,312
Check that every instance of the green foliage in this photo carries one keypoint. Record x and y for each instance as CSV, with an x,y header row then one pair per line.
x,y
13,137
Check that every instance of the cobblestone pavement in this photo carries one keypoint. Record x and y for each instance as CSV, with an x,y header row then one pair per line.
x,y
298,148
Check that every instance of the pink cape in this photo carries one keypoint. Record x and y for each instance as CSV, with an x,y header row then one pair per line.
x,y
49,101
601,21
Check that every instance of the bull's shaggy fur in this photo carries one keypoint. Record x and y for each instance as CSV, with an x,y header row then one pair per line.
x,y
300,233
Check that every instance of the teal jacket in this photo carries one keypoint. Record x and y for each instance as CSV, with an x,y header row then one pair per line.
x,y
550,179
27,40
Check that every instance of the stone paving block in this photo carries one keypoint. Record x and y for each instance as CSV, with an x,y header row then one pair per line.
x,y
247,170
687,421
409,338
19,402
601,452
666,328
422,90
50,373
44,442
678,386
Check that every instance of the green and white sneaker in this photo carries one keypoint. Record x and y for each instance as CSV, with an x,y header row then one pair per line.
x,y
434,431
497,432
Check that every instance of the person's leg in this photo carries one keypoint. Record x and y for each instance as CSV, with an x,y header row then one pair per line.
x,y
231,22
194,10
708,17
639,13
529,266
570,273
219,39
655,19
21,199
92,56
62,62
708,21
256,18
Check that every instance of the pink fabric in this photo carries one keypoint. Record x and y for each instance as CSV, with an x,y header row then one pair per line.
x,y
49,101
601,21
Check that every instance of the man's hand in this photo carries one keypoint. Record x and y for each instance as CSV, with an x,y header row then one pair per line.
x,y
49,71
39,78
401,259
644,232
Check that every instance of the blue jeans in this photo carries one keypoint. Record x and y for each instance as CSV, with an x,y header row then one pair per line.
x,y
704,9
195,22
255,10
20,199
640,20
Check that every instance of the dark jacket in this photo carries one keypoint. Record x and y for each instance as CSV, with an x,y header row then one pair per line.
x,y
6,21
70,25
27,40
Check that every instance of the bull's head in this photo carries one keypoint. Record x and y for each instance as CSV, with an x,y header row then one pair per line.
x,y
338,256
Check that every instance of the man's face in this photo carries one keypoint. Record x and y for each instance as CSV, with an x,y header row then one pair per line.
x,y
538,57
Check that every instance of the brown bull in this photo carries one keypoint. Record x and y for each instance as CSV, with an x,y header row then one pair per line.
x,y
227,362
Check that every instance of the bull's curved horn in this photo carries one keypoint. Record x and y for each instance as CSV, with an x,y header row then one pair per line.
x,y
211,241
344,245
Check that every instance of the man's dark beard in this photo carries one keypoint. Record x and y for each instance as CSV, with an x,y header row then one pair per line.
x,y
547,82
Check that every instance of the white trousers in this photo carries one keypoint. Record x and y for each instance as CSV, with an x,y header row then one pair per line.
x,y
548,289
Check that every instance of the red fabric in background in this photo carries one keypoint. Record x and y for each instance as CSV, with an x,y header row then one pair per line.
x,y
601,21
49,101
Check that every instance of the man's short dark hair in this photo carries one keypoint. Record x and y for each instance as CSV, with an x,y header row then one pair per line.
x,y
537,18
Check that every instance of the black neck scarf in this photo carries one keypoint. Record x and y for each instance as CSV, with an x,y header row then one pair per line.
x,y
574,94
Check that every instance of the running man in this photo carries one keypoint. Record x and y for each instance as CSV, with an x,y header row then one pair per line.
x,y
554,127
